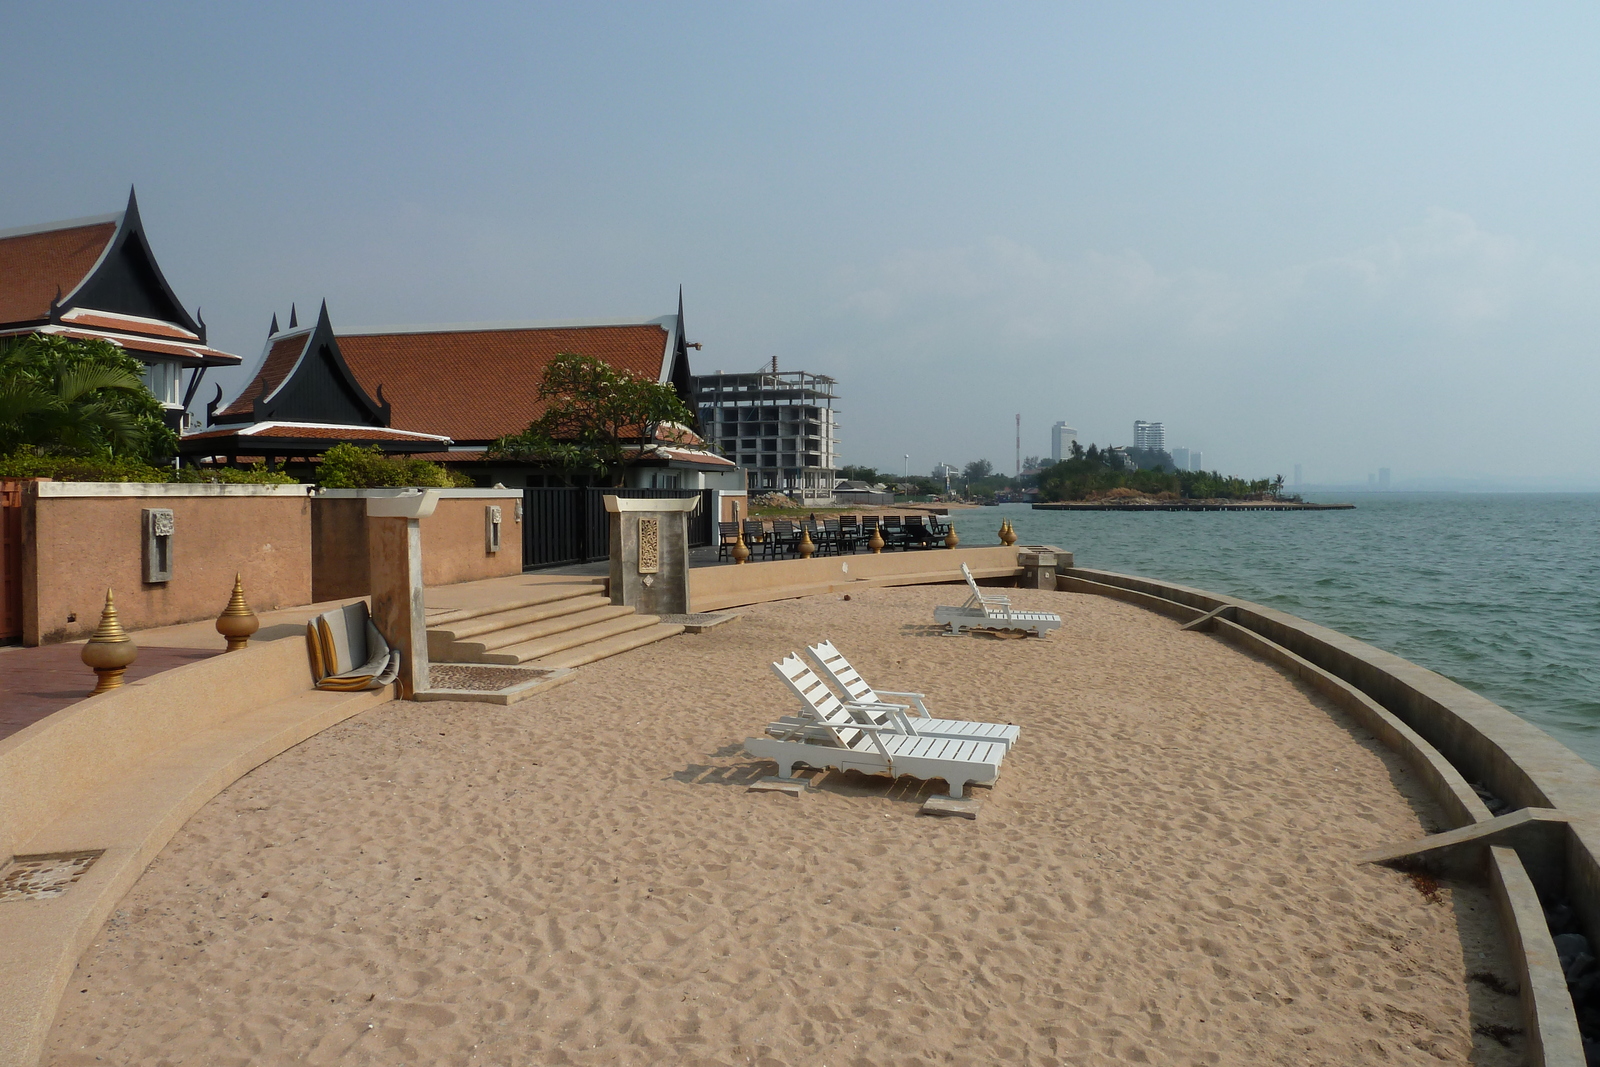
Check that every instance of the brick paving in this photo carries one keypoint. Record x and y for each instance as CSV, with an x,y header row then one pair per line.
x,y
37,681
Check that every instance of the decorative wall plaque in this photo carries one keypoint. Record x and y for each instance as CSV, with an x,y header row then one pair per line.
x,y
491,528
649,546
158,529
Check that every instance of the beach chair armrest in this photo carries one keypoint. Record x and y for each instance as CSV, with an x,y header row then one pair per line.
x,y
915,699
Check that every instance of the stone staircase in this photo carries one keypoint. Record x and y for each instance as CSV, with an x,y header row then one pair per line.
x,y
550,626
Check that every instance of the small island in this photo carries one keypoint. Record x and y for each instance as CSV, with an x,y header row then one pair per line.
x,y
1138,479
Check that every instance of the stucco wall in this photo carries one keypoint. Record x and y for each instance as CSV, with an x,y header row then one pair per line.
x,y
454,546
79,538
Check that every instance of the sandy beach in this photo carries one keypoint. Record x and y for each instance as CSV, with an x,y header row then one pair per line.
x,y
1163,874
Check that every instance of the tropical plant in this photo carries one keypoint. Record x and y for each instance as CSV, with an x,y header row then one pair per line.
x,y
65,397
26,464
595,416
256,474
347,466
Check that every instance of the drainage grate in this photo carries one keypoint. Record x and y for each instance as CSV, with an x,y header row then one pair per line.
x,y
475,679
41,877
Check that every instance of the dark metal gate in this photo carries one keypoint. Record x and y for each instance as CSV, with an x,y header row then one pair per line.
x,y
10,559
562,527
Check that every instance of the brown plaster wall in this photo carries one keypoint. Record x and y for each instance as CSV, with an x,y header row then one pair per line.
x,y
339,564
454,548
74,548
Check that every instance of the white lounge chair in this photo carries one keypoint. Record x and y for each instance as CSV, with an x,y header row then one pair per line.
x,y
861,696
991,611
829,734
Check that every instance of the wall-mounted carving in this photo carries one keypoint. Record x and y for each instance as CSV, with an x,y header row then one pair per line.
x,y
649,546
158,534
491,528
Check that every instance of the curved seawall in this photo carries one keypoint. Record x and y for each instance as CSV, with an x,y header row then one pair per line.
x,y
1543,844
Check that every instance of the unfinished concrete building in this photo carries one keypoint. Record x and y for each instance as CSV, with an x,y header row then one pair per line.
x,y
778,426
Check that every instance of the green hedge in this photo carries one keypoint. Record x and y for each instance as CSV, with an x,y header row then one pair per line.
x,y
346,466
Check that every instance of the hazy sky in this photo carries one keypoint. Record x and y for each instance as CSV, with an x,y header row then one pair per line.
x,y
1342,235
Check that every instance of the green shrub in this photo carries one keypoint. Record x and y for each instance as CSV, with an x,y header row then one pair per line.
x,y
347,466
23,464
255,475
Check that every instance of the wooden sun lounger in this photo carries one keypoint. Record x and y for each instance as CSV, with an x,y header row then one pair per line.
x,y
987,611
836,739
861,696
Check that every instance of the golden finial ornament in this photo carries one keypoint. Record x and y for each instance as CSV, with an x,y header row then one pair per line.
x,y
237,622
950,539
741,551
876,541
806,546
1008,536
109,650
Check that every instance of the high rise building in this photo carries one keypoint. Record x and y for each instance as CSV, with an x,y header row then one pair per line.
x,y
779,427
1150,435
1383,477
1180,458
1061,438
1197,460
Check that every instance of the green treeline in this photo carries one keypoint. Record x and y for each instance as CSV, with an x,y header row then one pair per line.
x,y
1091,474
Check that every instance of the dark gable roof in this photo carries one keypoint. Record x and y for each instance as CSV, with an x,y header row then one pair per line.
x,y
304,378
97,278
283,353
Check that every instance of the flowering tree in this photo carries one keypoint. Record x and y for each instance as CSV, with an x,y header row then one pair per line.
x,y
594,416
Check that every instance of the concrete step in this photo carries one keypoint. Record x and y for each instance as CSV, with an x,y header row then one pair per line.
x,y
611,646
583,635
507,618
474,649
546,594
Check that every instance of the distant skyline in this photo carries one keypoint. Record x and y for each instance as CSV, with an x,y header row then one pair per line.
x,y
1347,236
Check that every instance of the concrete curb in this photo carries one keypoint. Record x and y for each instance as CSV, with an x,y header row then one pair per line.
x,y
144,774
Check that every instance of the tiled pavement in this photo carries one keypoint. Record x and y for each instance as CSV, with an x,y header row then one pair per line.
x,y
36,681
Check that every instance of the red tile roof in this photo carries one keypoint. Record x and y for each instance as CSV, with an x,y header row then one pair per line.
x,y
281,357
35,266
476,385
189,350
111,320
316,431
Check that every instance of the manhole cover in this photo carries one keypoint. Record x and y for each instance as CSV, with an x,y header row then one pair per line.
x,y
39,877
465,678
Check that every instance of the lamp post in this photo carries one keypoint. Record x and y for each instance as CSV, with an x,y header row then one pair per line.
x,y
908,465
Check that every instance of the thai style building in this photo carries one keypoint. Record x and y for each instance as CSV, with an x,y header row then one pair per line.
x,y
96,278
447,393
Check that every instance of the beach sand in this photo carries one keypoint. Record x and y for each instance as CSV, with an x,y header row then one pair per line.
x,y
1163,874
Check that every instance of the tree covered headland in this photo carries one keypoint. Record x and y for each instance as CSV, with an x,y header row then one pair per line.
x,y
1092,473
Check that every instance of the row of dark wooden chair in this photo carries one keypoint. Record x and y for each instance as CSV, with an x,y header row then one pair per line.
x,y
830,537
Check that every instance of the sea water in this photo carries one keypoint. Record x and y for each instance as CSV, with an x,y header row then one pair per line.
x,y
1499,592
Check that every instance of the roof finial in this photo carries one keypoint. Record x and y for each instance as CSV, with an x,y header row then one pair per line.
x,y
274,327
294,322
199,318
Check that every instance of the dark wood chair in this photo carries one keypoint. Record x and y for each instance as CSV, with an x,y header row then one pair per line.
x,y
785,537
727,537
